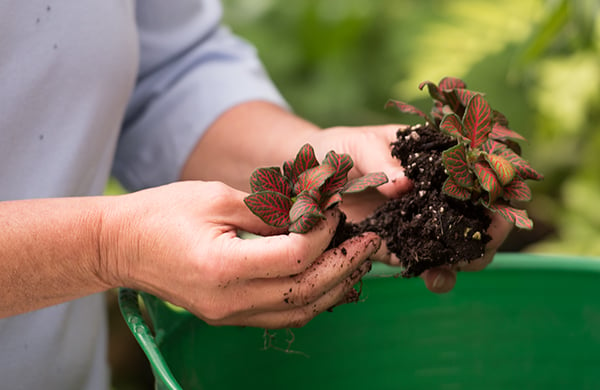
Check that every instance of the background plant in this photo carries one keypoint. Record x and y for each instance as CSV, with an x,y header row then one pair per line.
x,y
297,197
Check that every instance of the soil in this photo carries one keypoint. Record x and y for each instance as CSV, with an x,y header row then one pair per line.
x,y
426,228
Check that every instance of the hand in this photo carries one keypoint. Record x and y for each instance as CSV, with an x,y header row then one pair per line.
x,y
180,243
442,280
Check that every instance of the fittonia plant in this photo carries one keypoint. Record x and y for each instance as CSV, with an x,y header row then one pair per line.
x,y
297,197
485,166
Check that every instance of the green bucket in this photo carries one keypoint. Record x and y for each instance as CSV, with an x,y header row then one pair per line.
x,y
526,322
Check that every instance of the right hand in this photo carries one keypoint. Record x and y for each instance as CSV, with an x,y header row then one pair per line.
x,y
180,243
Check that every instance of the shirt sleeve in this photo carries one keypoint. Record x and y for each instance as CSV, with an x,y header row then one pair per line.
x,y
192,69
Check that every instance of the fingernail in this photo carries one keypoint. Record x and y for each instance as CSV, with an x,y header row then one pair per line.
x,y
439,281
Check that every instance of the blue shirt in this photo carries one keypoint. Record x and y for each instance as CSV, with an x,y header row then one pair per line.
x,y
93,87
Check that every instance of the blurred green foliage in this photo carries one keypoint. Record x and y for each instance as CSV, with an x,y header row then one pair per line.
x,y
538,61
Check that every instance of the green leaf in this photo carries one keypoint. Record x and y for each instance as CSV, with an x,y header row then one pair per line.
x,y
272,207
313,179
270,179
305,160
373,179
455,162
513,215
343,164
488,180
505,172
406,108
452,125
452,189
477,121
517,190
305,213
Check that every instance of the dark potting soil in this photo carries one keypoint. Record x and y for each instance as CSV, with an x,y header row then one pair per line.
x,y
426,228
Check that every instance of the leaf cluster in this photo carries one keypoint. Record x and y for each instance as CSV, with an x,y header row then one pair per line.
x,y
297,196
485,165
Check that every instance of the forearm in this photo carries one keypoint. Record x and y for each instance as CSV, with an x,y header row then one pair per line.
x,y
250,135
49,252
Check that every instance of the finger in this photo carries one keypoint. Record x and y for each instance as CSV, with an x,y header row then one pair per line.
x,y
282,255
439,280
498,230
327,272
377,157
298,316
384,255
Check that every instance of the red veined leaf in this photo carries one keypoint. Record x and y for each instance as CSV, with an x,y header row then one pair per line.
x,y
305,223
488,180
452,125
452,189
518,217
331,201
499,118
477,121
288,168
305,160
313,178
407,108
434,92
305,213
464,95
452,101
522,167
372,179
517,190
455,162
448,83
501,132
493,147
270,179
343,164
272,207
505,172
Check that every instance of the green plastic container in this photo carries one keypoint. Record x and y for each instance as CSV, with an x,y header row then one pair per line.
x,y
526,322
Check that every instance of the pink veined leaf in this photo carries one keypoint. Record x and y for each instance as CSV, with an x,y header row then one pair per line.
x,y
501,132
372,179
505,172
305,160
455,162
448,83
331,201
343,164
313,178
272,207
499,118
488,180
304,214
451,99
452,125
517,190
522,167
406,108
452,189
434,92
270,179
516,216
493,146
288,168
477,121
464,95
